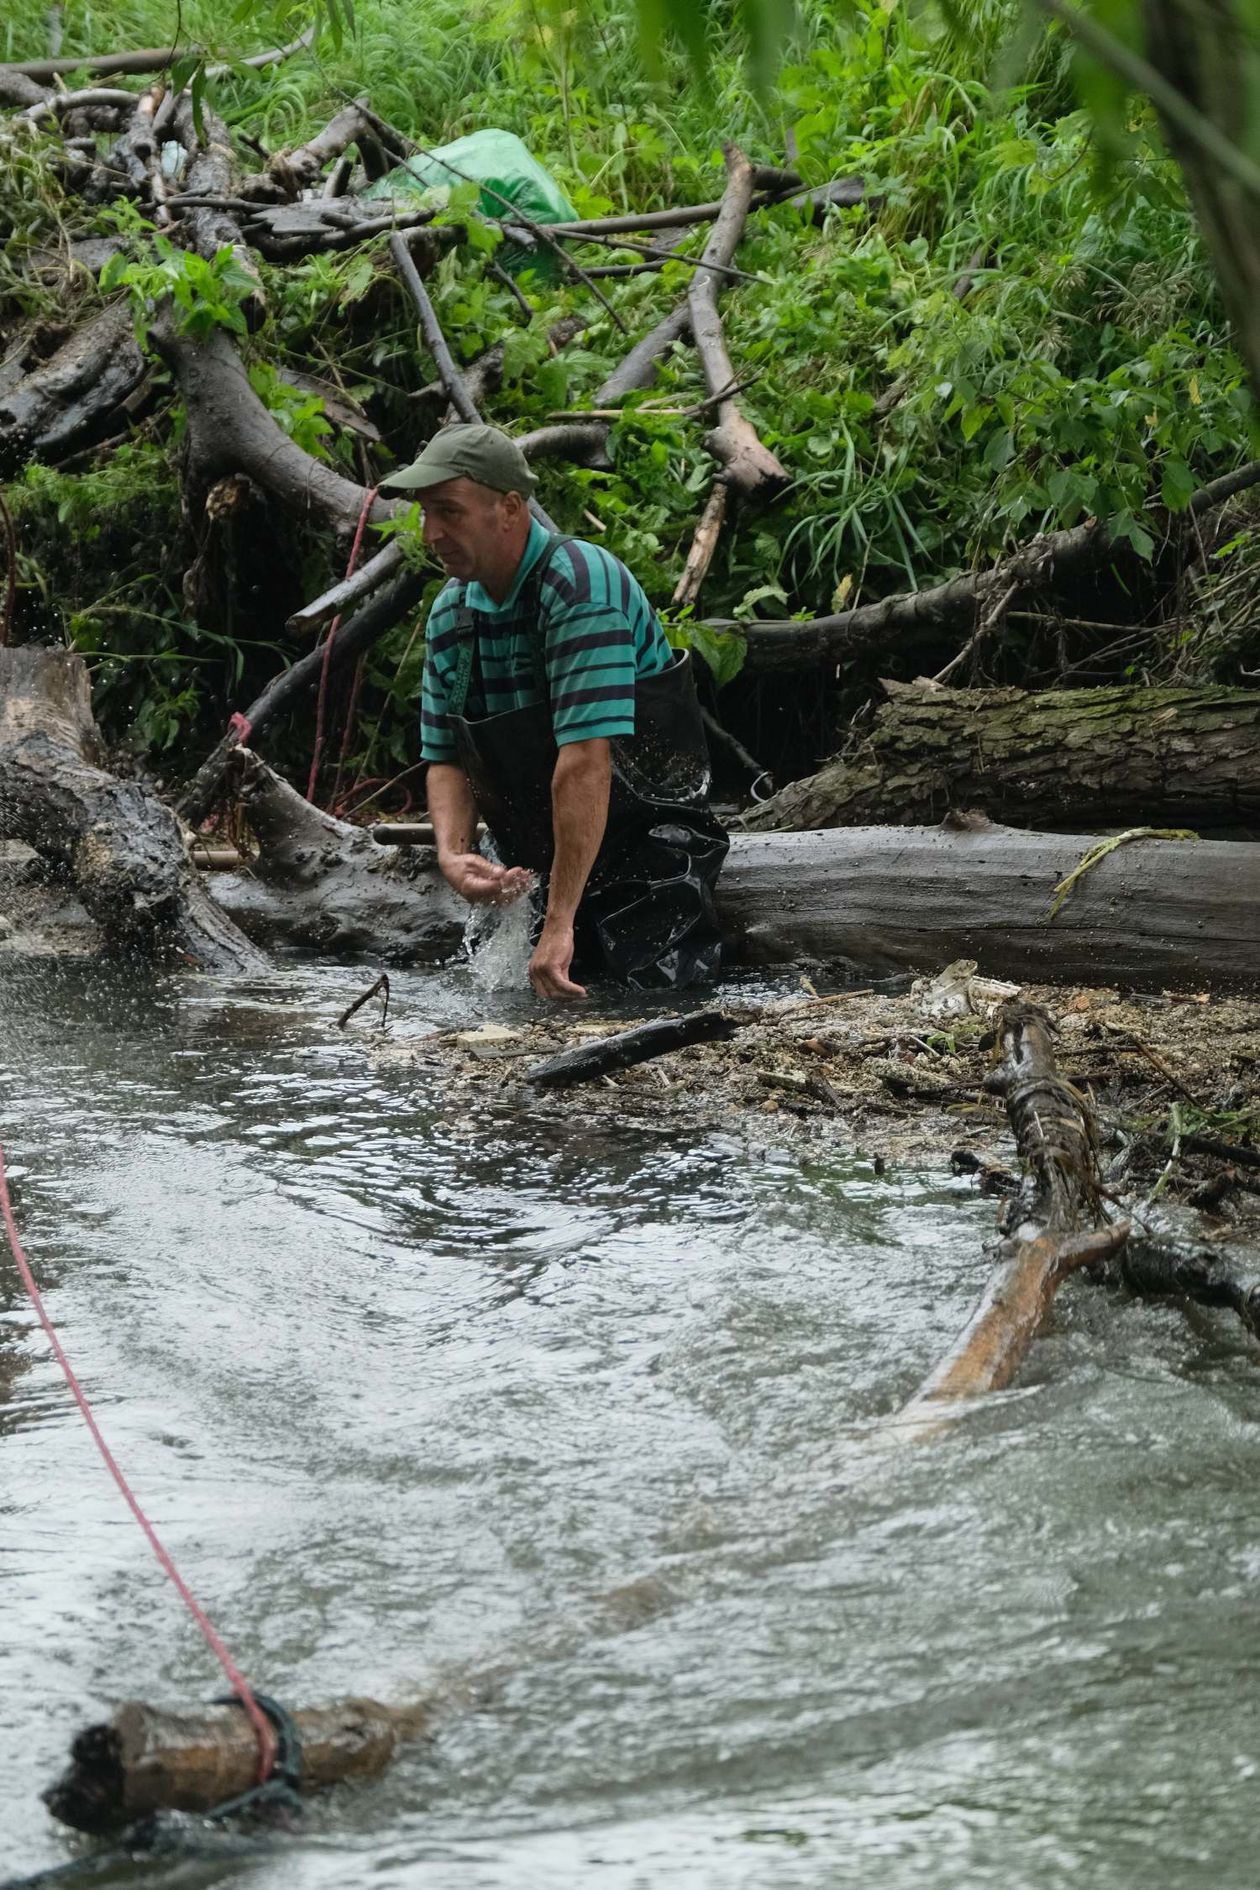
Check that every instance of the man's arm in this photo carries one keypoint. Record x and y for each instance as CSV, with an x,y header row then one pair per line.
x,y
580,788
453,812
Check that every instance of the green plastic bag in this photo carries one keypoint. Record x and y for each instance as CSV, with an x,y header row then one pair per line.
x,y
504,168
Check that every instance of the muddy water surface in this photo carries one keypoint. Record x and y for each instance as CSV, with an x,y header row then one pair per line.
x,y
578,1428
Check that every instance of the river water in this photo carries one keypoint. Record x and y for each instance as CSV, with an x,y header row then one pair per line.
x,y
581,1431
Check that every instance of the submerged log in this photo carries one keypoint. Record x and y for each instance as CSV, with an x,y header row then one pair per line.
x,y
1212,1276
1051,1229
1166,756
142,1759
121,845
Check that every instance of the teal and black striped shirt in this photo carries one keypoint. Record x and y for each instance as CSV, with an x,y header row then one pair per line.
x,y
601,633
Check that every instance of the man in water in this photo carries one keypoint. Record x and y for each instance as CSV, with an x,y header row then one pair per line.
x,y
554,708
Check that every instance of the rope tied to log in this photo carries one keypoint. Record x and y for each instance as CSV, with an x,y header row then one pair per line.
x,y
279,1746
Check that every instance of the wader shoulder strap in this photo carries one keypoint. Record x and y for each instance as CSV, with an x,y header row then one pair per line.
x,y
466,627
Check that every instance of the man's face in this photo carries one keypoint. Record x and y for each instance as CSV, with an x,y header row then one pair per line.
x,y
467,526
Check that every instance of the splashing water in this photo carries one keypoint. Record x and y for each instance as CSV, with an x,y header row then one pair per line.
x,y
498,941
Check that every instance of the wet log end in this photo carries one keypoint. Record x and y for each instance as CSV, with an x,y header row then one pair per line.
x,y
143,1759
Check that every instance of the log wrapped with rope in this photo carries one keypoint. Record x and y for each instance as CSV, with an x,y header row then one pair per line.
x,y
1054,1226
143,1759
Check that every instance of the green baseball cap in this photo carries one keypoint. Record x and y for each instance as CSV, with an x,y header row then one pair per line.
x,y
469,452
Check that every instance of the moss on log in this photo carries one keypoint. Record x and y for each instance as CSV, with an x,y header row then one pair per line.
x,y
1057,759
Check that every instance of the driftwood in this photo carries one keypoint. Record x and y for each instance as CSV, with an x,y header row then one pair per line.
x,y
1052,1228
1038,565
1166,756
142,1759
703,545
120,844
733,440
586,1062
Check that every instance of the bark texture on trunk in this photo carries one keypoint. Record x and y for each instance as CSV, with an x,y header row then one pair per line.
x,y
339,890
1133,756
143,1759
71,399
1154,913
122,846
1052,1229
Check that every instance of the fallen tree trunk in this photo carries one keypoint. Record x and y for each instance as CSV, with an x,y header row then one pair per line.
x,y
1050,1230
1155,756
231,431
341,892
1154,913
121,845
142,1759
878,899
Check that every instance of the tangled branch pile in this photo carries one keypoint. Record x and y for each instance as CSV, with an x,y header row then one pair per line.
x,y
929,393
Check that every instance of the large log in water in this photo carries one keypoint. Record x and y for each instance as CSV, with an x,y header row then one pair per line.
x,y
1154,913
1171,757
121,845
143,1759
1053,1228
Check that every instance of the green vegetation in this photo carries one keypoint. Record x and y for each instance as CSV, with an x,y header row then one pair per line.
x,y
1086,372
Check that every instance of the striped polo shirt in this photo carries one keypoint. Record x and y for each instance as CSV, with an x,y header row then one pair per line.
x,y
601,633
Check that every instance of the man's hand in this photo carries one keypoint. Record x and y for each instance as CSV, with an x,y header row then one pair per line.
x,y
549,966
481,882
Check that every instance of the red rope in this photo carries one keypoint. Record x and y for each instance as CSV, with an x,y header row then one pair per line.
x,y
239,1684
334,626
